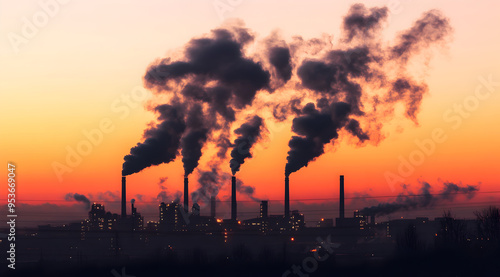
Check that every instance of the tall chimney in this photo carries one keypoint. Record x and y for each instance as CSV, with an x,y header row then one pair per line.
x,y
341,208
124,197
186,194
372,219
212,206
233,198
287,197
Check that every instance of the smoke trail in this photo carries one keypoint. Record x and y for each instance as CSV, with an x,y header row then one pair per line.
x,y
314,128
407,200
247,190
210,183
248,134
339,81
210,83
78,198
280,59
363,23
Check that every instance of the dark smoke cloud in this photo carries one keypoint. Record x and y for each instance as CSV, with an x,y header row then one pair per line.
x,y
314,128
210,182
432,27
407,200
246,190
78,198
280,59
410,93
161,143
248,134
341,78
362,22
216,80
217,59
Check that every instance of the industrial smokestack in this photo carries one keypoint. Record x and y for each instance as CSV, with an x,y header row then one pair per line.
x,y
341,208
212,206
233,198
287,197
372,219
124,197
186,194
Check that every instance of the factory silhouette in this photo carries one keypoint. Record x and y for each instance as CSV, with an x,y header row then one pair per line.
x,y
272,245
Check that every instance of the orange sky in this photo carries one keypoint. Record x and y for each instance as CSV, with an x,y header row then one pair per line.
x,y
72,74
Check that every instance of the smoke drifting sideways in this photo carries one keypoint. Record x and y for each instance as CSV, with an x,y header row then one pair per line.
x,y
211,182
341,79
78,198
407,200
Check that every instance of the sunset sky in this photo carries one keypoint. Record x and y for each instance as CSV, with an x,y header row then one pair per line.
x,y
70,77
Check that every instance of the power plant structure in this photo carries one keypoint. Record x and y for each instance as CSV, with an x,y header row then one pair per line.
x,y
233,199
288,220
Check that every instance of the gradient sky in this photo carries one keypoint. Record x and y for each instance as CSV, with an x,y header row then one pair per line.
x,y
72,74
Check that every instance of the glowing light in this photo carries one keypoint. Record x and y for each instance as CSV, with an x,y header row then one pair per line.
x,y
292,239
219,220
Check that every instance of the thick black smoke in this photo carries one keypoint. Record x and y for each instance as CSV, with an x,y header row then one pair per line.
x,y
248,134
354,128
193,141
339,81
161,143
218,59
78,198
280,59
362,22
314,128
210,84
424,198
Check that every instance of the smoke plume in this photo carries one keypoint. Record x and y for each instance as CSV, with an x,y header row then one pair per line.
x,y
408,200
78,198
248,134
210,182
341,79
161,143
